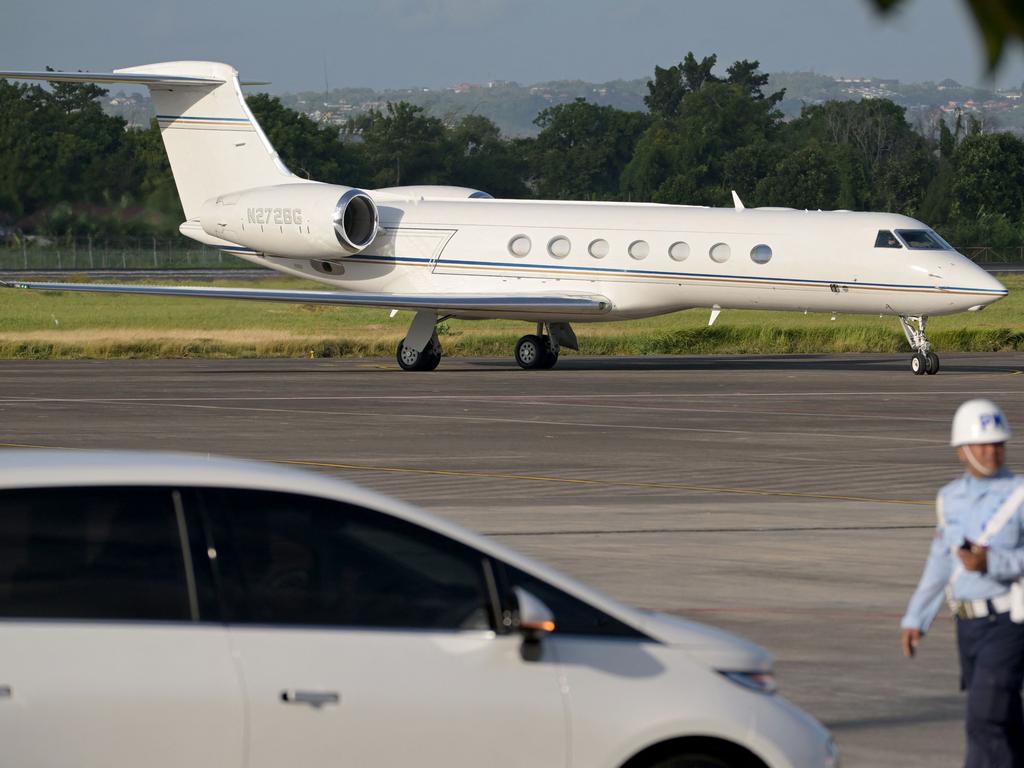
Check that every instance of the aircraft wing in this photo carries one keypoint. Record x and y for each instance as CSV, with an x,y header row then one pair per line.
x,y
454,303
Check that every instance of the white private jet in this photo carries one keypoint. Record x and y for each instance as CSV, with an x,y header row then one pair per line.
x,y
447,252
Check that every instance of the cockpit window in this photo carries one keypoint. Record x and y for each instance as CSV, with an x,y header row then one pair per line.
x,y
922,240
886,239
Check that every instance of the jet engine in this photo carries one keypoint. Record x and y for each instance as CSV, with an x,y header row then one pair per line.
x,y
300,220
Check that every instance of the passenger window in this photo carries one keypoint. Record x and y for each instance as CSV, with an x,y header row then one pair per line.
x,y
886,239
572,616
298,560
91,553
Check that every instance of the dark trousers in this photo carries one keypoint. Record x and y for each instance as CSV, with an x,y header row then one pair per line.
x,y
992,670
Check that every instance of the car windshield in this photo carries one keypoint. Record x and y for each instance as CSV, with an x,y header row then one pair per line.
x,y
922,240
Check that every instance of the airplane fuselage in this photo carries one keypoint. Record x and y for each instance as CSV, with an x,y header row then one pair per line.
x,y
649,259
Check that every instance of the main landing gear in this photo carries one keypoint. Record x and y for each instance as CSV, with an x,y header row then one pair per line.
x,y
540,350
420,350
924,361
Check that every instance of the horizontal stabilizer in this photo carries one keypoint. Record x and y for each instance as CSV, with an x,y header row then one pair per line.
x,y
454,303
113,78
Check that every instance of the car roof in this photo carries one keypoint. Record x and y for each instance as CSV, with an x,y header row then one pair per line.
x,y
48,468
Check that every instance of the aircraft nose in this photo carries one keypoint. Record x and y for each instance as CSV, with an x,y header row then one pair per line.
x,y
983,283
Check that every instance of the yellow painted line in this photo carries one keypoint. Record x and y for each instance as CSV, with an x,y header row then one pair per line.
x,y
600,483
31,445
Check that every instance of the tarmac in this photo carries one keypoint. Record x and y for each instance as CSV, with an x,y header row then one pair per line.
x,y
785,498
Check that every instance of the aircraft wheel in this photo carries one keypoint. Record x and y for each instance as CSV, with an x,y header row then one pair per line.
x,y
550,357
531,352
411,360
918,364
931,361
431,359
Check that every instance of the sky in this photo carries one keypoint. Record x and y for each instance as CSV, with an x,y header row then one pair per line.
x,y
436,43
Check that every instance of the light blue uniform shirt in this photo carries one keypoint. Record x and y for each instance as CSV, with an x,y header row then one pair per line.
x,y
967,504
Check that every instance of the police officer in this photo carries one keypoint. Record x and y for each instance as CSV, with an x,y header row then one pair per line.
x,y
979,578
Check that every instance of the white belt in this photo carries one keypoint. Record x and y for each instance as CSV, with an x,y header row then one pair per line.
x,y
979,609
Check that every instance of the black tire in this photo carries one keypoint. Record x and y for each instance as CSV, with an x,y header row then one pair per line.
x,y
931,364
918,364
550,357
431,359
530,352
409,358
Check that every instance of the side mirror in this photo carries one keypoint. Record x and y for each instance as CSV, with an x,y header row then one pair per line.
x,y
535,621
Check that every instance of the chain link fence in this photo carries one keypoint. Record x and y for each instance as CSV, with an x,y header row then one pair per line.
x,y
127,253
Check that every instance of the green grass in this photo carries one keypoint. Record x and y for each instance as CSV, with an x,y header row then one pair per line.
x,y
67,325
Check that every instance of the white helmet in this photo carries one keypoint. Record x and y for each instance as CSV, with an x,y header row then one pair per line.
x,y
979,421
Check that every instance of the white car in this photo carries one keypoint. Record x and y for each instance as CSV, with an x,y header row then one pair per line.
x,y
174,610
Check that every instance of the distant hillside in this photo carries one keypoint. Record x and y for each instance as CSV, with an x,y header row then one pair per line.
x,y
513,107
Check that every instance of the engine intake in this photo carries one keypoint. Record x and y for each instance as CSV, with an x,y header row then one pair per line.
x,y
355,220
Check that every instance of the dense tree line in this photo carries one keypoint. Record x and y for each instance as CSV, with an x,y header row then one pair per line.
x,y
66,168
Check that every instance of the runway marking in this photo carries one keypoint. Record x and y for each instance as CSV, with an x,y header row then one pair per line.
x,y
602,483
43,447
505,398
535,422
733,411
775,611
575,481
754,529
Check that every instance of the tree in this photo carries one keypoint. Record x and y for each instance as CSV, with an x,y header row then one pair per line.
x,y
670,85
309,149
403,145
989,177
153,178
582,149
59,147
480,158
884,164
808,178
687,156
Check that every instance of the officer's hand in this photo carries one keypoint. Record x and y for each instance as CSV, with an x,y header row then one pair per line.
x,y
909,638
974,559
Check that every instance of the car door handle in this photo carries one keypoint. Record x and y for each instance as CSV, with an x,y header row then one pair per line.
x,y
315,699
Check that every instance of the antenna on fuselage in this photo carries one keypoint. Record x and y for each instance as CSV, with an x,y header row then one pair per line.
x,y
737,202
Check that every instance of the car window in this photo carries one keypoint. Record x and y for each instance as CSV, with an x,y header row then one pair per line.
x,y
91,553
572,615
298,560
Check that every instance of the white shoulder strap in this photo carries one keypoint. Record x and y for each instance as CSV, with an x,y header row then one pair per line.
x,y
992,528
1002,517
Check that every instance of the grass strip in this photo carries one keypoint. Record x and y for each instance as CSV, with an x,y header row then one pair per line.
x,y
51,325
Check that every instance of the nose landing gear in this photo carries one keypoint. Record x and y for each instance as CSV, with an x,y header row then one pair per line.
x,y
924,361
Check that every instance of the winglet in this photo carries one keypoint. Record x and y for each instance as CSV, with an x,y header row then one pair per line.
x,y
737,202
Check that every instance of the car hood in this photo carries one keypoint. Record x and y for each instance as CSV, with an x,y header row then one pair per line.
x,y
715,647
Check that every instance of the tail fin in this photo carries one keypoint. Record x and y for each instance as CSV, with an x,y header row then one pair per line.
x,y
213,142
